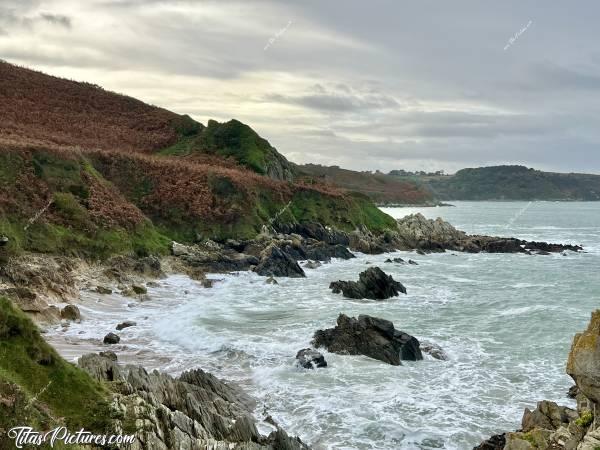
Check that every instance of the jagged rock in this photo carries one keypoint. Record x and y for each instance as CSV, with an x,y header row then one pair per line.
x,y
277,263
547,416
126,324
310,358
194,411
312,264
373,283
111,338
369,336
103,290
583,364
434,350
414,263
149,266
70,312
211,257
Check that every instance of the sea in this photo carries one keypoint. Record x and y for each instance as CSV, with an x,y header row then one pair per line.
x,y
506,322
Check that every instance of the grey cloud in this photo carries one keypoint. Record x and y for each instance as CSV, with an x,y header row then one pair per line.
x,y
57,19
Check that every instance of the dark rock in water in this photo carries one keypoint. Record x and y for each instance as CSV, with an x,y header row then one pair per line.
x,y
369,336
496,442
126,324
573,391
138,289
271,280
103,290
277,263
542,252
312,264
420,252
373,283
70,312
310,358
321,251
111,338
388,260
434,350
315,231
414,263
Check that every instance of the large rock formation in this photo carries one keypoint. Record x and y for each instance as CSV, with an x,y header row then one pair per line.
x,y
373,283
194,411
369,336
417,232
583,364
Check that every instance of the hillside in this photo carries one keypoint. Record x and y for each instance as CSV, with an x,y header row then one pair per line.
x,y
381,188
512,183
89,172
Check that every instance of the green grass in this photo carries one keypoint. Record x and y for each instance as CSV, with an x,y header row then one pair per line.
x,y
52,386
585,419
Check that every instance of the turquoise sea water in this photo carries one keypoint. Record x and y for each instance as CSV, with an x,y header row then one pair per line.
x,y
506,322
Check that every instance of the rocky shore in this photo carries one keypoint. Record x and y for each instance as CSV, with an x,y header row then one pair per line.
x,y
197,410
550,426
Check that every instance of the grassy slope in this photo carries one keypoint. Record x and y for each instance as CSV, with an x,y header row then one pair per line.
x,y
95,163
514,183
50,390
379,187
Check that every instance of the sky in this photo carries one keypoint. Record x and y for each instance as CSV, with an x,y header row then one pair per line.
x,y
414,85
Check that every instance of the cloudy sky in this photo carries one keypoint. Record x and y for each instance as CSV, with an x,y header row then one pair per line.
x,y
383,85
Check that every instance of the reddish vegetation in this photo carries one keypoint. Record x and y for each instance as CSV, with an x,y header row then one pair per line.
x,y
45,110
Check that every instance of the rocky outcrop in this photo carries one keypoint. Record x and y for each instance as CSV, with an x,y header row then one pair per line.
x,y
309,358
373,283
369,336
434,350
550,426
194,411
70,312
213,257
583,364
126,324
275,262
417,232
111,338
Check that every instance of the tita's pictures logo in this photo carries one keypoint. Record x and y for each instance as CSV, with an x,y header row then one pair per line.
x,y
28,436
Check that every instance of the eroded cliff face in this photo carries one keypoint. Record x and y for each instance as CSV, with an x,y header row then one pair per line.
x,y
583,364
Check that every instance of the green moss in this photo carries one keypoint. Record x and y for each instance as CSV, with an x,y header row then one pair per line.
x,y
585,419
69,207
11,165
47,380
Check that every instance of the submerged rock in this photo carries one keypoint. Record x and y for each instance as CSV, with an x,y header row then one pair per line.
x,y
103,290
111,338
312,264
369,336
271,280
310,358
433,350
373,283
126,324
277,263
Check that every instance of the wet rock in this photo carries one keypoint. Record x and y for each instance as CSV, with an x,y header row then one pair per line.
x,y
103,290
111,338
370,336
126,324
152,284
321,251
277,263
312,264
573,391
373,284
496,442
414,263
271,280
433,350
70,312
310,358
